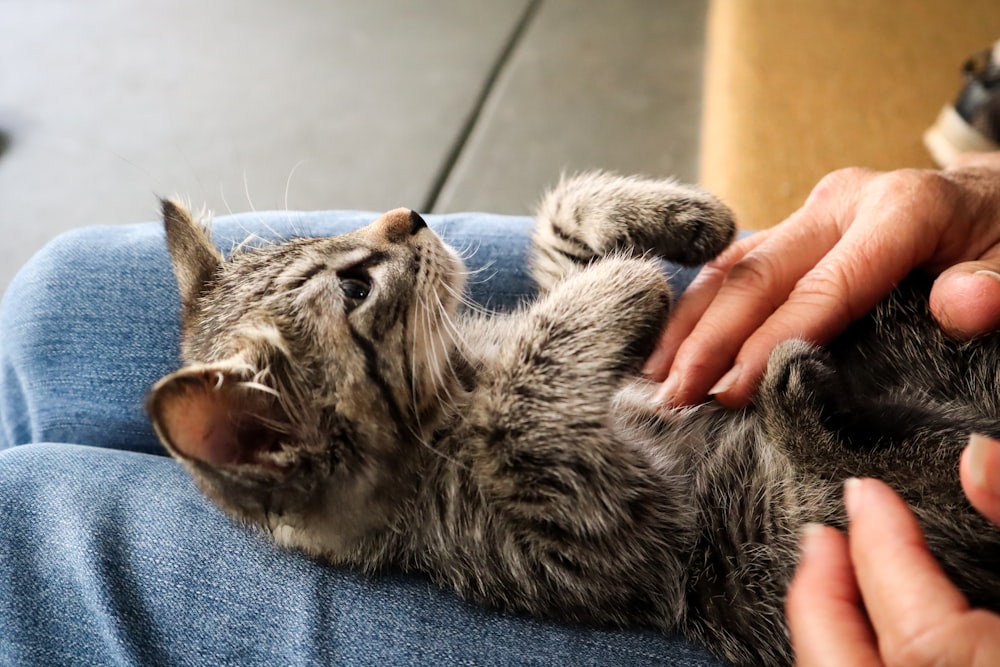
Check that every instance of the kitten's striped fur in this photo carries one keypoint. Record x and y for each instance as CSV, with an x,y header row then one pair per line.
x,y
334,396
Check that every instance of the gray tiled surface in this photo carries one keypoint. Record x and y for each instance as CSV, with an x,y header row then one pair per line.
x,y
594,84
244,104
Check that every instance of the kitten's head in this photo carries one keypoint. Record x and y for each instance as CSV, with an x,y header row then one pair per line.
x,y
313,369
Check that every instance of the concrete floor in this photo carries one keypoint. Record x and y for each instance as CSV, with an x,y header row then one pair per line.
x,y
439,105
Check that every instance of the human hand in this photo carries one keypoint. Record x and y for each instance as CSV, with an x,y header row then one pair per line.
x,y
877,596
859,233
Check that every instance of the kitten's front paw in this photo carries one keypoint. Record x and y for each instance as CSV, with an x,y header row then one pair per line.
x,y
604,213
620,300
797,372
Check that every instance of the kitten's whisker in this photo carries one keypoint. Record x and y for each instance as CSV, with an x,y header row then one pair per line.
x,y
260,387
252,239
464,300
225,202
433,338
438,315
288,212
414,329
246,190
288,181
439,453
260,218
467,251
449,327
420,327
476,272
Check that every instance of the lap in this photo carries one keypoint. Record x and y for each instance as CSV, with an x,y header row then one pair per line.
x,y
111,557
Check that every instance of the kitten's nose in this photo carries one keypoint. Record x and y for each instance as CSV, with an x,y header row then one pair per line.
x,y
416,222
399,223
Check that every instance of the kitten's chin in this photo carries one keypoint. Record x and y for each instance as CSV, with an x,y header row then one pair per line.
x,y
286,536
291,537
333,546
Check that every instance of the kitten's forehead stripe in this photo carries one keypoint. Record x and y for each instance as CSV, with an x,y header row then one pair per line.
x,y
352,257
356,259
312,271
374,258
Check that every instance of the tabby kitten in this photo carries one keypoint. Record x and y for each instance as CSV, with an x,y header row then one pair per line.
x,y
333,396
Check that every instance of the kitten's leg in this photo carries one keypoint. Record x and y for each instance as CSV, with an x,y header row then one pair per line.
x,y
550,388
597,213
566,497
546,399
813,412
799,397
607,316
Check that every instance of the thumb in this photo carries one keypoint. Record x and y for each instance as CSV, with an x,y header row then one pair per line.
x,y
980,473
965,299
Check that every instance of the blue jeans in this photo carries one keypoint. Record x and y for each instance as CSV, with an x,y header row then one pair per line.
x,y
109,555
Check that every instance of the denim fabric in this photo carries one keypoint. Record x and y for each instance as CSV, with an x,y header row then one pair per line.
x,y
108,554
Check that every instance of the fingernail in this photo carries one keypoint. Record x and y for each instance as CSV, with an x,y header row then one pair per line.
x,y
665,394
852,496
726,382
992,274
654,362
980,450
809,532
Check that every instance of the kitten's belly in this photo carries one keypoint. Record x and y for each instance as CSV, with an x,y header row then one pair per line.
x,y
684,431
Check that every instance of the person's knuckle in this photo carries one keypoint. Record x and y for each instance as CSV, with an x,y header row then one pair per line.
x,y
733,253
918,189
906,651
836,184
712,274
753,277
826,280
829,285
716,336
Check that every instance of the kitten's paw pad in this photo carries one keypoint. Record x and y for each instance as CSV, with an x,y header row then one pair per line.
x,y
799,371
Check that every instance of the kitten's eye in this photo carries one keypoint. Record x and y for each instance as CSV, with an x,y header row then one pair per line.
x,y
355,283
356,289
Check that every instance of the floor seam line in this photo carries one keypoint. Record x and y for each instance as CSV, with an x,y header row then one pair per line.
x,y
475,113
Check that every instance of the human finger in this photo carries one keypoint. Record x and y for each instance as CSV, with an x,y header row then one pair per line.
x,y
906,594
980,473
693,303
965,299
823,605
750,291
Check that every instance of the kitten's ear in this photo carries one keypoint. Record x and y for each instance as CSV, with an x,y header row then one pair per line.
x,y
193,255
214,414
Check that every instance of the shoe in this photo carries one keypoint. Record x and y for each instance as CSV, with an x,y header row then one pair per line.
x,y
972,123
